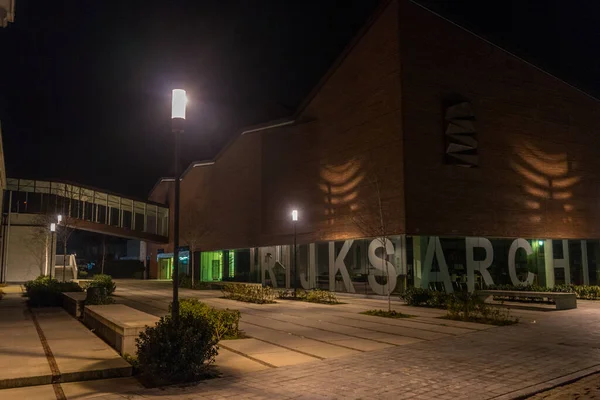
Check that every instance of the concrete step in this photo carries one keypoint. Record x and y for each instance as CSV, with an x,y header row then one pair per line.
x,y
68,351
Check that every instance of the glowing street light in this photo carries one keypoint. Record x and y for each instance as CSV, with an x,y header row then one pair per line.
x,y
59,218
178,106
178,103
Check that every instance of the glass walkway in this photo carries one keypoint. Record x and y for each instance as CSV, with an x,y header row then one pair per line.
x,y
92,209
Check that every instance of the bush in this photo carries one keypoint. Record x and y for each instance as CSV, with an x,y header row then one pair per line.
x,y
177,351
387,314
104,281
414,296
82,274
312,296
185,281
249,293
225,323
465,306
96,295
47,292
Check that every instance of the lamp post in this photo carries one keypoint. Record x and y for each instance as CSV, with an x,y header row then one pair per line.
x,y
178,105
64,240
295,221
52,250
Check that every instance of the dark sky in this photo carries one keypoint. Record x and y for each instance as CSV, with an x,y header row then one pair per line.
x,y
85,92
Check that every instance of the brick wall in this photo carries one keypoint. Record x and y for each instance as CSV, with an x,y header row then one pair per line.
x,y
349,135
539,171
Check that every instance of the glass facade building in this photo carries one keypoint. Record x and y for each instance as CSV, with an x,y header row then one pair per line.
x,y
374,266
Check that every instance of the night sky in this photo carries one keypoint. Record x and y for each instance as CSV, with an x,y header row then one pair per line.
x,y
85,92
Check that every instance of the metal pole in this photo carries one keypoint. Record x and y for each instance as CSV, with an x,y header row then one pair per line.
x,y
6,248
295,260
177,130
52,253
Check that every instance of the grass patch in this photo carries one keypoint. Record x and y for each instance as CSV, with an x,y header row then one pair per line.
x,y
481,320
387,314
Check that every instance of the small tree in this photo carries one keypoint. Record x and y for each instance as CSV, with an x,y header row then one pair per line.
x,y
371,214
66,205
193,233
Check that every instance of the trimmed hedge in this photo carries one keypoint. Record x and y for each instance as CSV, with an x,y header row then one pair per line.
x,y
249,293
311,296
47,292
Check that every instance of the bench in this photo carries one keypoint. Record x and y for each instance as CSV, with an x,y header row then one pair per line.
x,y
564,301
73,303
118,324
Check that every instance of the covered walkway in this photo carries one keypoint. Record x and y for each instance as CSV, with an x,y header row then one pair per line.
x,y
91,209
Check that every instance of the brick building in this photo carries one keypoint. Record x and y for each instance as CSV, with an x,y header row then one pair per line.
x,y
426,154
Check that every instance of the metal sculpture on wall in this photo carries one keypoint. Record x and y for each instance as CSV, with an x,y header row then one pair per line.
x,y
461,144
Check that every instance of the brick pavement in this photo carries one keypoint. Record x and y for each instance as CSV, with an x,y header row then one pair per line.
x,y
498,363
585,388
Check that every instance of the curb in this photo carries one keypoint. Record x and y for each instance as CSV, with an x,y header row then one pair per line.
x,y
549,385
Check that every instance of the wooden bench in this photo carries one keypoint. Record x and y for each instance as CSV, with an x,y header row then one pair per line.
x,y
73,303
118,324
564,301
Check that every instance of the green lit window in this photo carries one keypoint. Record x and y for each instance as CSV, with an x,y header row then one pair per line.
x,y
231,263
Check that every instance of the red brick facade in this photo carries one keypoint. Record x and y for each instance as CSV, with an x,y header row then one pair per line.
x,y
377,122
538,173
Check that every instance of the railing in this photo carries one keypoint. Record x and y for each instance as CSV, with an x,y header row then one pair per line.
x,y
71,266
84,203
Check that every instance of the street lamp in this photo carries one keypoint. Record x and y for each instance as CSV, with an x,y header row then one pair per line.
x,y
178,106
52,249
295,221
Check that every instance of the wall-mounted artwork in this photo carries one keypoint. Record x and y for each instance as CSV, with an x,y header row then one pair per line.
x,y
461,143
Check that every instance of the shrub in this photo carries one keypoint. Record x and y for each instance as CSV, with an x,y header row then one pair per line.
x,y
133,361
249,293
465,306
176,351
96,295
312,296
47,292
224,322
82,274
386,314
321,296
414,296
104,281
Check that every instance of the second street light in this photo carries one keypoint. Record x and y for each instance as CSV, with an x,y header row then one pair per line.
x,y
295,221
178,106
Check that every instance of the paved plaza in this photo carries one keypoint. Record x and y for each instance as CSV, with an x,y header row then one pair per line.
x,y
300,350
